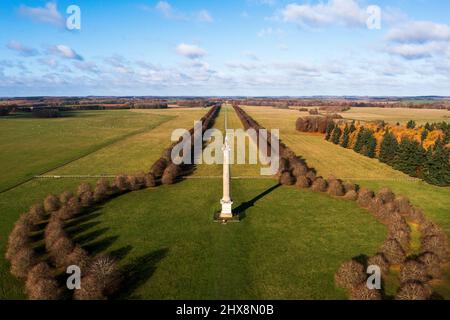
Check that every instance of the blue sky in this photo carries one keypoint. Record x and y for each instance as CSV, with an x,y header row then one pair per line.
x,y
248,47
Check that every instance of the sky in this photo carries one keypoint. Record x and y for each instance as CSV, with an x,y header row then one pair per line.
x,y
225,48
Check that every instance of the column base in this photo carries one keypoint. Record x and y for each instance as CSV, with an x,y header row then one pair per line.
x,y
227,211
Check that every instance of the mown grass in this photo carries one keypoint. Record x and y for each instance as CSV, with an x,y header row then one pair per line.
x,y
329,159
287,246
34,146
135,144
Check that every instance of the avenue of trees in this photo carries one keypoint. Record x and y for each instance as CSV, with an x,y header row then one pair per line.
x,y
44,273
395,212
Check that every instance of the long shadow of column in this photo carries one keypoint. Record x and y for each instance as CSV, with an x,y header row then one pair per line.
x,y
242,208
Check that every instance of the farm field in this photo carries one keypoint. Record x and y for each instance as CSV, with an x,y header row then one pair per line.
x,y
394,115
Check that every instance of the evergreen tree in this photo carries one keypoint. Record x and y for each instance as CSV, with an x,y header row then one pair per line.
x,y
411,124
410,158
352,127
437,168
336,135
388,148
330,128
428,127
345,137
371,145
359,140
424,135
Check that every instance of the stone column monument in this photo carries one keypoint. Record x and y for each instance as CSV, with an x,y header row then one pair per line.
x,y
226,199
226,202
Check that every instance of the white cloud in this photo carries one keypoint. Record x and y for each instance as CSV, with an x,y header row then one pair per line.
x,y
48,14
205,16
165,8
87,66
171,13
168,11
250,54
267,32
190,51
419,31
418,50
244,66
419,39
66,52
339,12
21,49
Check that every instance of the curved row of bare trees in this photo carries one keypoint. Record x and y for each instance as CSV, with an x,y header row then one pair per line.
x,y
395,212
47,222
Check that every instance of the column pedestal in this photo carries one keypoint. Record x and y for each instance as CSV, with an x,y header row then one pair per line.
x,y
226,209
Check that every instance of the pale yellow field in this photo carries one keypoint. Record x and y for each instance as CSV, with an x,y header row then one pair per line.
x,y
136,153
327,158
243,170
402,115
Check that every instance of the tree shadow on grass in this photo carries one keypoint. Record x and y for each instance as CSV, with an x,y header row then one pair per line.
x,y
137,272
242,208
101,245
76,230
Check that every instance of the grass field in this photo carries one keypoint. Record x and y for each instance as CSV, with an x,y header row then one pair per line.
x,y
127,153
33,146
288,245
346,164
394,115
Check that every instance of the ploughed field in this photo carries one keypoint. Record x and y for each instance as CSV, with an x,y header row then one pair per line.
x,y
289,243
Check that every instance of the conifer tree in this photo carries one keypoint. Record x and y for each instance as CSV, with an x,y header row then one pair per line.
x,y
352,127
437,168
371,145
359,140
330,128
411,124
388,148
336,135
424,135
410,158
345,137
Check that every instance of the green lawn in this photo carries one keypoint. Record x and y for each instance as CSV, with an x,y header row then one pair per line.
x,y
132,141
287,246
330,159
33,146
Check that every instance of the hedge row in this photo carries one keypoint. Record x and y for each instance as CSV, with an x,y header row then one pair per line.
x,y
40,274
164,170
393,211
101,277
313,124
